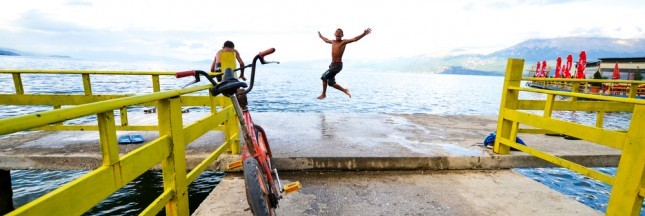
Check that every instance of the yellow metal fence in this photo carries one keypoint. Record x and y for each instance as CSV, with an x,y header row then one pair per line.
x,y
629,183
168,150
20,97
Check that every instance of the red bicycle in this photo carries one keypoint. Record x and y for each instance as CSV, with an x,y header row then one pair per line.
x,y
262,183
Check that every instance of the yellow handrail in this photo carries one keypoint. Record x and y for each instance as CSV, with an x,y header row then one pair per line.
x,y
103,72
626,196
57,100
24,122
168,150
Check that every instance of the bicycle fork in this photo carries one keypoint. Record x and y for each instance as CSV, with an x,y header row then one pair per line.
x,y
247,134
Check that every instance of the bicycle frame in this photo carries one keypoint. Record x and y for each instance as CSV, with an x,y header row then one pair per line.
x,y
258,150
255,146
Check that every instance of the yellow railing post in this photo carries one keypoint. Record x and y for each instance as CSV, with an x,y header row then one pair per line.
x,y
630,176
214,101
600,118
87,86
124,116
156,87
174,166
231,128
548,106
107,133
17,83
510,97
575,88
633,88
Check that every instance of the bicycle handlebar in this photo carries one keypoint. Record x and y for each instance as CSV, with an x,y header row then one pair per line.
x,y
266,52
185,73
259,56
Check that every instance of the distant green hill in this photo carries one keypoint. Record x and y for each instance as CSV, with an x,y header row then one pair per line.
x,y
13,52
466,71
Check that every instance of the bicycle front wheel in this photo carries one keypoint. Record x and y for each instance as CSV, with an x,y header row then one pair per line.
x,y
257,188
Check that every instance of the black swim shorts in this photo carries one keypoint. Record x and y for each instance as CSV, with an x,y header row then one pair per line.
x,y
330,74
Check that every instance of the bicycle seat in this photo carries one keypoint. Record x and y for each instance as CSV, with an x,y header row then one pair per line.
x,y
229,85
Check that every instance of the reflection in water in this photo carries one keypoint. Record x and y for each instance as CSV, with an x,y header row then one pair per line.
x,y
591,192
326,130
129,200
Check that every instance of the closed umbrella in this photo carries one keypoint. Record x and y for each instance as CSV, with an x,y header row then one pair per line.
x,y
543,71
568,66
537,70
616,74
582,63
558,65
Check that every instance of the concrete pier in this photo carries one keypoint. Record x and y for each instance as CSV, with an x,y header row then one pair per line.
x,y
316,141
457,192
311,144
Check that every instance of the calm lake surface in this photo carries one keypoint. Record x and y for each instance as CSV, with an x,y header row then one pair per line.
x,y
279,88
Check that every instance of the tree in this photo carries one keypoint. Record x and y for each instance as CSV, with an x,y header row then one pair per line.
x,y
637,75
597,75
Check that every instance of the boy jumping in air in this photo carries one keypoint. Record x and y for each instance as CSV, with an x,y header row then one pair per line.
x,y
337,50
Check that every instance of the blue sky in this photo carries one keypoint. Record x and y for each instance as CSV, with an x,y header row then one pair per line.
x,y
193,30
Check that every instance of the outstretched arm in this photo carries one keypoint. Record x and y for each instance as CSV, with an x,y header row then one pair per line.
x,y
215,60
323,38
366,32
239,59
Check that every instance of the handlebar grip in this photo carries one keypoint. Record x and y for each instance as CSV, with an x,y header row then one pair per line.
x,y
266,52
185,74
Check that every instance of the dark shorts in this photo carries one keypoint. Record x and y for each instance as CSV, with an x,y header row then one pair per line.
x,y
330,75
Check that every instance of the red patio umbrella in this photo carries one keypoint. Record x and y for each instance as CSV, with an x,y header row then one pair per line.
x,y
616,74
582,63
568,67
537,70
558,65
543,69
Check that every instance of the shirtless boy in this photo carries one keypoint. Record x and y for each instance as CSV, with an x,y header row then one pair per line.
x,y
337,50
228,47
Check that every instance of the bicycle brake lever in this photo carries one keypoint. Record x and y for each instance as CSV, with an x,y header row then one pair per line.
x,y
190,83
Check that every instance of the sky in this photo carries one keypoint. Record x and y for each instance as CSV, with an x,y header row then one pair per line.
x,y
193,30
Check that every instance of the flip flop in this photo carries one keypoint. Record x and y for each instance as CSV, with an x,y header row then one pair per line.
x,y
137,139
125,139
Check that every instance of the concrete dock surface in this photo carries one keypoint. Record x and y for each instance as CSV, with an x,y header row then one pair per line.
x,y
323,141
455,192
409,164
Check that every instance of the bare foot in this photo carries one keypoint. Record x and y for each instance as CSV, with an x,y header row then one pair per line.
x,y
347,93
321,97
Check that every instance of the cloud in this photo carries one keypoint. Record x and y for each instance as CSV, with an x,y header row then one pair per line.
x,y
39,21
79,3
194,29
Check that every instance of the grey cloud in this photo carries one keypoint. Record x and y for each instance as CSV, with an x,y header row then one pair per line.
x,y
590,32
544,2
79,3
36,20
510,4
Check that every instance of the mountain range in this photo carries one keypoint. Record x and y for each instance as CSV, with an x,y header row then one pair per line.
x,y
13,52
531,51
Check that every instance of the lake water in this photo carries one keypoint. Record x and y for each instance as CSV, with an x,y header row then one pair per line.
x,y
279,88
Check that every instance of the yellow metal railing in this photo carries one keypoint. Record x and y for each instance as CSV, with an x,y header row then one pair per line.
x,y
628,88
628,185
20,97
168,150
